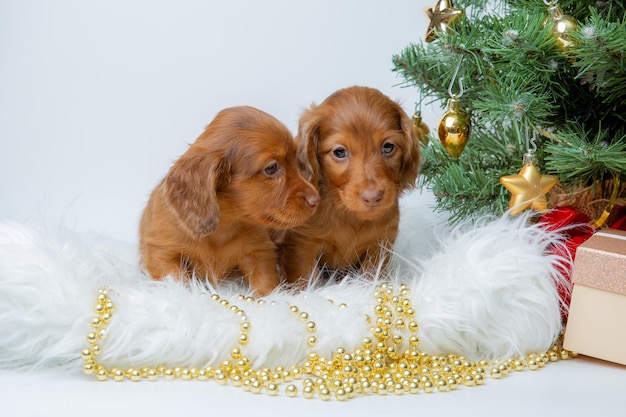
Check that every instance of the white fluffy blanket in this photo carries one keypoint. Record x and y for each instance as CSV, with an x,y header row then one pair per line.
x,y
485,290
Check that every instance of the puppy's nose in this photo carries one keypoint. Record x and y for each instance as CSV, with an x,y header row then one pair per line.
x,y
371,198
312,199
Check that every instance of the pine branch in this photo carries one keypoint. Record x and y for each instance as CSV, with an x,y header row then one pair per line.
x,y
579,159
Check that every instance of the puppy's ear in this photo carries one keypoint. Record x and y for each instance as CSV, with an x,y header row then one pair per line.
x,y
411,159
307,145
191,192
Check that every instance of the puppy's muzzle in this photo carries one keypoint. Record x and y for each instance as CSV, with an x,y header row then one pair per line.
x,y
372,198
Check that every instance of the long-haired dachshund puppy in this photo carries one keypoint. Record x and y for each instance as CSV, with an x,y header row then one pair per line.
x,y
213,212
357,148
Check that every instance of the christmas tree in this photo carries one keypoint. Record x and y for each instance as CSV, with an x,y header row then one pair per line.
x,y
540,78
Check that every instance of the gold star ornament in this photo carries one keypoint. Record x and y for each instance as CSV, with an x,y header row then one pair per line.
x,y
442,16
529,187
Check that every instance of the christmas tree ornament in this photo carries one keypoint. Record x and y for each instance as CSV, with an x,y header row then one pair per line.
x,y
455,124
442,16
563,25
454,128
420,129
529,187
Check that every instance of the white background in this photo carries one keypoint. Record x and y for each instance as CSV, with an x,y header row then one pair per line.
x,y
97,98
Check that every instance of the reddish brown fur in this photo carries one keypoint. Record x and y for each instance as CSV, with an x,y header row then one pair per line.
x,y
213,212
358,216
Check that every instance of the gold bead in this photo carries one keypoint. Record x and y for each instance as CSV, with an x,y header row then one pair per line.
x,y
442,385
469,381
133,374
308,392
414,341
310,326
367,342
272,389
235,353
117,374
256,386
325,394
236,380
452,383
504,369
304,316
185,373
102,374
152,374
89,368
479,379
341,394
291,390
92,337
245,327
296,373
243,339
495,373
311,341
86,353
220,377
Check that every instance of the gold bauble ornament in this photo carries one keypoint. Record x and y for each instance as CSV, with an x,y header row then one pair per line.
x,y
420,129
442,16
529,187
563,25
454,128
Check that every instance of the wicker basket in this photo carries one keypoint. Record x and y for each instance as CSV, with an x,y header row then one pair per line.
x,y
592,200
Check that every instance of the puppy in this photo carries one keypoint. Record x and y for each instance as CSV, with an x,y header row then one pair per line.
x,y
213,212
357,148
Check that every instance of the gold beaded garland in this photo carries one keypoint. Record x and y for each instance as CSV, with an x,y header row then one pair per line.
x,y
381,365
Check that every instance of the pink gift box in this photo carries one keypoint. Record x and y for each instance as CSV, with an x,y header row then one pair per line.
x,y
596,325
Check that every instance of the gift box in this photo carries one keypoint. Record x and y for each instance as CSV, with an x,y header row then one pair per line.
x,y
596,325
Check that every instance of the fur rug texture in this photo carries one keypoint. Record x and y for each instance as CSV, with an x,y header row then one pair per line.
x,y
485,290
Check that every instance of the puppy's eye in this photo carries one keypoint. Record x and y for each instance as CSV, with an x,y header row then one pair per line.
x,y
388,148
340,153
272,169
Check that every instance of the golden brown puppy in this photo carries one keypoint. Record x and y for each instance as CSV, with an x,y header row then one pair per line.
x,y
356,147
213,212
